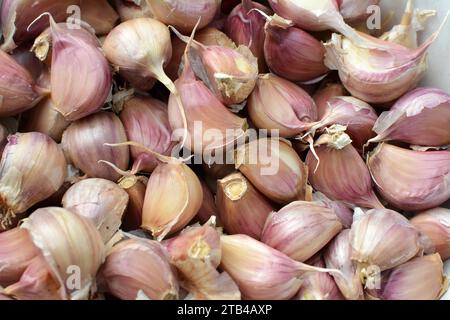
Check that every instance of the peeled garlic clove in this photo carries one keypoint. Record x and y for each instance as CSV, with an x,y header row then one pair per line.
x,y
382,239
84,145
318,286
16,253
139,264
131,9
135,187
420,117
101,201
18,90
341,173
99,14
354,11
411,180
325,94
421,278
72,247
262,273
291,52
274,168
278,104
184,14
173,197
342,211
45,119
32,168
338,256
18,19
301,229
435,224
242,209
247,28
146,121
208,208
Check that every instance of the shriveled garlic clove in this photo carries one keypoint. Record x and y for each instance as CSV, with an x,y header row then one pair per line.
x,y
338,255
420,117
278,104
301,229
101,201
435,224
72,247
421,278
139,264
131,9
354,11
99,15
32,168
208,208
135,187
342,211
411,180
242,208
325,94
341,173
84,145
275,169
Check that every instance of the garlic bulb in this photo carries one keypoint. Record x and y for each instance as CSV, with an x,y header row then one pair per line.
x,y
101,201
99,14
138,264
301,229
411,180
32,168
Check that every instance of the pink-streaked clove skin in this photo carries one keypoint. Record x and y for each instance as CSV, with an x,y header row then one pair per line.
x,y
208,208
29,61
343,212
355,11
138,264
275,169
261,272
84,145
291,52
242,208
421,278
16,253
322,96
135,187
99,14
18,19
338,255
435,224
420,117
318,286
411,180
301,229
130,9
278,104
146,121
247,28
383,239
18,90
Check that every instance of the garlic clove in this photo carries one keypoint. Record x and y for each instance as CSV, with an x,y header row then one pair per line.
x,y
325,94
435,224
208,208
355,11
139,264
301,229
99,14
411,180
131,9
101,201
343,212
135,187
242,209
26,180
274,168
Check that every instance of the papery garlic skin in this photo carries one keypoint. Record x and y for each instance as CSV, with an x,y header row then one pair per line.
x,y
99,200
84,145
301,229
421,278
69,243
420,117
411,180
435,224
33,167
139,264
99,14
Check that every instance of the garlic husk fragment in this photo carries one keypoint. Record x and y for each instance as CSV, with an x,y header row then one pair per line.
x,y
411,180
275,169
341,173
354,11
132,9
99,15
84,145
242,208
101,201
435,224
421,278
32,168
72,247
135,187
420,117
301,229
343,212
278,104
139,264
208,208
261,272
